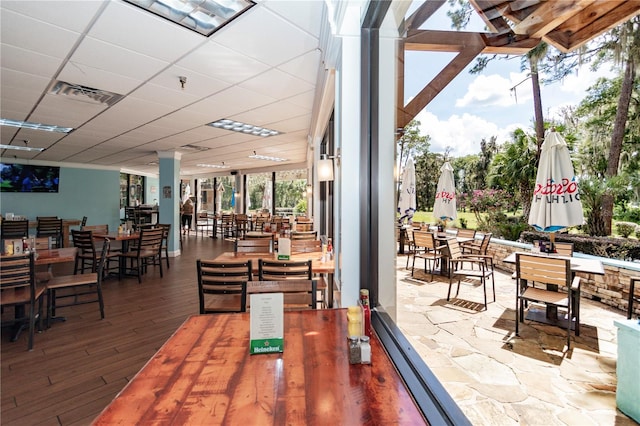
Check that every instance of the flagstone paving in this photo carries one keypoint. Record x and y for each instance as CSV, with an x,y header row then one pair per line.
x,y
497,378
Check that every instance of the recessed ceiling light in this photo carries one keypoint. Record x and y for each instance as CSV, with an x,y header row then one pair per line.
x,y
213,166
34,126
238,126
266,157
21,148
202,16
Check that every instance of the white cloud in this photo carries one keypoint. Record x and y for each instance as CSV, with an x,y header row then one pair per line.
x,y
495,90
578,83
462,133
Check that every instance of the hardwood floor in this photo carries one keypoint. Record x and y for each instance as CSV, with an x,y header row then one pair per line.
x,y
78,366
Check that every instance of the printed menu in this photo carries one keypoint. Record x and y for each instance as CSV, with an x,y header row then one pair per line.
x,y
266,323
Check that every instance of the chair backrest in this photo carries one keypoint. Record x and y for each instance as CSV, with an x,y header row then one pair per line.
x,y
84,222
260,221
151,239
304,224
17,273
466,233
278,270
224,281
306,246
254,245
83,240
484,245
50,227
97,229
424,239
564,249
304,235
104,258
14,229
543,269
43,243
297,294
166,227
454,248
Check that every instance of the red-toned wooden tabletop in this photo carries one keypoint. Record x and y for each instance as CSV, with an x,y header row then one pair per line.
x,y
50,256
317,265
204,375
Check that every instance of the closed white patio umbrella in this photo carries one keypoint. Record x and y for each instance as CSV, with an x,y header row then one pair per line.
x,y
219,192
266,196
556,201
445,204
407,200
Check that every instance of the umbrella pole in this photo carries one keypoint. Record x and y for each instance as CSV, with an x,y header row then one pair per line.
x,y
552,238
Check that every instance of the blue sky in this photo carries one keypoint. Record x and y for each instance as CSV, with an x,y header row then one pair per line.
x,y
479,106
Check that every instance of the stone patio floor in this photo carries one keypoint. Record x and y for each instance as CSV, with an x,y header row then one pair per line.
x,y
497,378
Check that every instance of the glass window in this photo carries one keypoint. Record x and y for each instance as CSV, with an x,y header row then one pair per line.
x,y
291,192
259,188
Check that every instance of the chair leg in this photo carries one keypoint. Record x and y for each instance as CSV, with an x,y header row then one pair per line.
x,y
100,300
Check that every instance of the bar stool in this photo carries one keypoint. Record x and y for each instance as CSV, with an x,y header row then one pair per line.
x,y
632,296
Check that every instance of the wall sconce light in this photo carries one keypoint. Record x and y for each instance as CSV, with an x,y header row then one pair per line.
x,y
309,190
325,167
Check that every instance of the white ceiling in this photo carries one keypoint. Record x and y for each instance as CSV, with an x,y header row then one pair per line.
x,y
260,69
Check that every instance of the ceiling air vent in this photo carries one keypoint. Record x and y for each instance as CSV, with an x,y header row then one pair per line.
x,y
85,94
192,148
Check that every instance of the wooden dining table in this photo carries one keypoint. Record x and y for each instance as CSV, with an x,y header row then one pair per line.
x,y
204,374
318,265
51,256
124,238
66,224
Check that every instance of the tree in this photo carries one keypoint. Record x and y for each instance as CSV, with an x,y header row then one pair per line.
x,y
411,144
514,169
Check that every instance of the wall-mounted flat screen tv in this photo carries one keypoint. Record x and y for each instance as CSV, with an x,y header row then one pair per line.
x,y
28,178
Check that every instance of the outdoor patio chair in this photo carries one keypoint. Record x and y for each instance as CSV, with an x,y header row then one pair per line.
x,y
426,249
457,261
533,271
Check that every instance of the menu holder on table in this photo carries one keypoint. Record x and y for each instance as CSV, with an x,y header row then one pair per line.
x,y
284,249
266,323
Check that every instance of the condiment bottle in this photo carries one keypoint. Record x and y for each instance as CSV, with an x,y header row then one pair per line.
x,y
354,321
354,350
330,249
365,350
366,311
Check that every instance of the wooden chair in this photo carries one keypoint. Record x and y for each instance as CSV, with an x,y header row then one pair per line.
x,y
166,227
304,224
552,273
148,251
79,289
564,249
466,233
257,245
226,225
18,288
306,246
14,229
241,223
222,286
97,229
203,223
83,222
87,256
457,261
426,249
278,270
478,246
298,294
50,227
304,235
410,243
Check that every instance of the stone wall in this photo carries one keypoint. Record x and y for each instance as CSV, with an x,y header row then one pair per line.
x,y
612,288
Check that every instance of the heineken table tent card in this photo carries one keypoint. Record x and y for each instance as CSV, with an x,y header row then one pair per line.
x,y
266,322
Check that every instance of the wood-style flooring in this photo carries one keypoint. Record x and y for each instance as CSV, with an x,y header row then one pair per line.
x,y
78,366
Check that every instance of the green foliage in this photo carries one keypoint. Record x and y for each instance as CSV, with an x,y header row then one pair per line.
x,y
612,248
301,207
463,222
503,226
487,201
627,215
625,228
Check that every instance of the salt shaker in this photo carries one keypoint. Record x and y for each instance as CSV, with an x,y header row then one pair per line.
x,y
365,350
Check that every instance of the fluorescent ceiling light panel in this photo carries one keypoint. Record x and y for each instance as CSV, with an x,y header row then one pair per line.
x,y
21,148
202,16
213,166
34,126
266,157
238,126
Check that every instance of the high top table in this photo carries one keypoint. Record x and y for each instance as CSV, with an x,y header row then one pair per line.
x,y
204,375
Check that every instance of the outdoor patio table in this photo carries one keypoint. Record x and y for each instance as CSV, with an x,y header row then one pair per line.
x,y
204,374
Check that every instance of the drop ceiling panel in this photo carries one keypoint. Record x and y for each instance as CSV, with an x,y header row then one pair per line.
x,y
229,102
71,14
163,39
276,83
303,100
222,63
307,15
25,87
274,33
294,124
304,67
28,61
114,59
30,34
65,111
